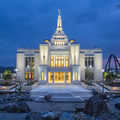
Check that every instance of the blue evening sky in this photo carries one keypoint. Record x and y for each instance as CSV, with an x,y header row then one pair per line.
x,y
29,22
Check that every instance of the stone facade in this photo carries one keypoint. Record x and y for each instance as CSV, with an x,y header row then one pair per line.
x,y
59,61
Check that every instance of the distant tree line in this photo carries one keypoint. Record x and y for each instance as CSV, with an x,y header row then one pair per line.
x,y
2,69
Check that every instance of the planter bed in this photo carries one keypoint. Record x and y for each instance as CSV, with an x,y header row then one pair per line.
x,y
89,87
6,87
111,88
29,87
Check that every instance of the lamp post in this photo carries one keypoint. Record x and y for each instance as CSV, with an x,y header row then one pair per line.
x,y
28,75
33,71
90,74
16,81
85,73
103,80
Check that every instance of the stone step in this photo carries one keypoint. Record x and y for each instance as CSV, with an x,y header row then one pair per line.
x,y
83,94
60,94
40,99
67,99
38,93
60,99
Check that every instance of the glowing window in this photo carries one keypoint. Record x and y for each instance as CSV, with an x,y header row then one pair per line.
x,y
42,75
74,59
55,42
26,75
66,61
43,61
52,61
75,75
62,63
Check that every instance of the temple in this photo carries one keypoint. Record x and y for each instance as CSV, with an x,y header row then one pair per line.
x,y
59,60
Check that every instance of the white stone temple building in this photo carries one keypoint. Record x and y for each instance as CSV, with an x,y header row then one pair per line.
x,y
59,60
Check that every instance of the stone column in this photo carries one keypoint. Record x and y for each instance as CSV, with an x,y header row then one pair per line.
x,y
64,61
53,77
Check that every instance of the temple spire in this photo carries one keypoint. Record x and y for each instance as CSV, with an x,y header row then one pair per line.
x,y
59,22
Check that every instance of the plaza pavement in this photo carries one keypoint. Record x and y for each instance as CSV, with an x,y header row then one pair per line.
x,y
61,92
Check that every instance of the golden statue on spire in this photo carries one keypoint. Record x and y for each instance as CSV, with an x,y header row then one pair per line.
x,y
59,11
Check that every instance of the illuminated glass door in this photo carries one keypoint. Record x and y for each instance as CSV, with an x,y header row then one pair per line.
x,y
68,77
50,77
59,77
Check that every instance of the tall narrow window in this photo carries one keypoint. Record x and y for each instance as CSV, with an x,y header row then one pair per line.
x,y
92,62
32,62
42,75
62,63
43,59
89,61
66,61
75,75
26,75
74,59
52,61
29,61
55,42
26,61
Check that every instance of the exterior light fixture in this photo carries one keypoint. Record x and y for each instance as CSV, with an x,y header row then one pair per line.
x,y
28,66
85,67
90,66
102,70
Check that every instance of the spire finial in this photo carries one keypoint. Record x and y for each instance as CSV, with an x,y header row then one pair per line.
x,y
59,11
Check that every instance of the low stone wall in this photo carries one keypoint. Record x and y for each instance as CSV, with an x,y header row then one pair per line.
x,y
29,87
112,88
89,87
6,87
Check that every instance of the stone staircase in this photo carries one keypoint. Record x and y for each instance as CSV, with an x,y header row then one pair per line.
x,y
83,94
73,96
61,97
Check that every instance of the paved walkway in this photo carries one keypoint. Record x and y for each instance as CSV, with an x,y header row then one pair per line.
x,y
61,93
59,88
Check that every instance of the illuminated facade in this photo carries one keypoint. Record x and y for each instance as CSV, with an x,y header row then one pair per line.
x,y
59,61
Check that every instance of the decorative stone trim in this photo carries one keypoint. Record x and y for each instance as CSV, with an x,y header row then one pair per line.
x,y
29,87
112,88
6,87
89,87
